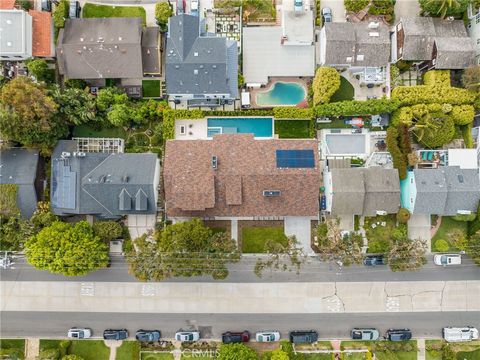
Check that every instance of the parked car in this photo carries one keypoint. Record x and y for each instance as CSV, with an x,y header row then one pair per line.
x,y
79,333
235,337
187,336
465,333
115,334
327,15
399,334
267,336
365,334
194,7
298,5
148,335
374,260
303,337
74,11
447,259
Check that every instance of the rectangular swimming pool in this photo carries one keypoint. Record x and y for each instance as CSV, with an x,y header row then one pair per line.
x,y
260,127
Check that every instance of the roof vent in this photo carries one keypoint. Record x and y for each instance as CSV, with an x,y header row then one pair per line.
x,y
195,71
360,57
9,22
374,34
120,38
100,39
125,179
195,53
271,193
460,178
81,39
349,59
9,43
373,25
214,162
214,66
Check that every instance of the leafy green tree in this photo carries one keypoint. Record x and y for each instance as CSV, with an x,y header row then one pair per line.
x,y
76,84
24,4
60,13
119,115
182,249
28,115
75,106
109,96
42,217
356,5
72,357
13,232
70,250
39,69
406,254
163,11
107,230
236,352
443,8
474,247
325,83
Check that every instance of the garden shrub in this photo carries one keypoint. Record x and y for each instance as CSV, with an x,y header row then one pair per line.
x,y
462,114
403,215
399,159
441,245
437,77
325,84
467,135
465,217
437,94
355,107
356,5
437,129
61,13
292,113
474,225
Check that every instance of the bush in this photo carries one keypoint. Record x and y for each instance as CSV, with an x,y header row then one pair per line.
x,y
441,245
325,84
49,354
399,159
60,13
355,5
438,131
403,215
163,11
292,113
107,230
437,77
437,94
355,107
462,114
465,217
467,135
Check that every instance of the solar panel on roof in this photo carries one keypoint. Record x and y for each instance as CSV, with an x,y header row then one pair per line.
x,y
295,159
64,183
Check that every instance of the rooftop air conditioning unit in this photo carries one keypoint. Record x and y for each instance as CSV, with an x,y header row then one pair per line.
x,y
381,212
271,193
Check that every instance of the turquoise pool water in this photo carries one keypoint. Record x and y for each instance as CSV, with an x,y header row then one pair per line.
x,y
259,127
282,94
407,192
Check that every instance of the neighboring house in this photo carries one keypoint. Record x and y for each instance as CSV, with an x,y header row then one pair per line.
x,y
345,143
102,181
201,70
42,34
363,48
107,48
287,50
362,191
19,166
434,43
473,28
448,191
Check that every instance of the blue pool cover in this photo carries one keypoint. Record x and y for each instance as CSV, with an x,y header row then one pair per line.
x,y
295,159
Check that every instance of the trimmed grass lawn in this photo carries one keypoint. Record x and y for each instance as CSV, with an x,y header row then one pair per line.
x,y
255,239
318,356
156,356
292,129
88,131
335,124
448,224
13,347
87,349
151,88
129,350
470,355
105,11
345,92
378,237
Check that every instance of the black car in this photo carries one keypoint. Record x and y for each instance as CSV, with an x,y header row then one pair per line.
x,y
148,335
303,337
235,337
399,334
115,334
374,260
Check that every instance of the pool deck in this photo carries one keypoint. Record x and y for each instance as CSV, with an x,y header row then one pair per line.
x,y
254,91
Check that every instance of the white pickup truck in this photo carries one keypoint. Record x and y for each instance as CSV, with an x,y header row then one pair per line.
x,y
454,334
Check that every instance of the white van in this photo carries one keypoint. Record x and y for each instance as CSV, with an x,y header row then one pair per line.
x,y
454,334
447,259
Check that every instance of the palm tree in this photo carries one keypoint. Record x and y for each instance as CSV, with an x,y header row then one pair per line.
x,y
445,6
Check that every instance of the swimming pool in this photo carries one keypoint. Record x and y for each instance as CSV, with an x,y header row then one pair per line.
x,y
282,93
260,127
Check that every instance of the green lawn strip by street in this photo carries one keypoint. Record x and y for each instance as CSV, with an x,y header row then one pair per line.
x,y
470,355
87,349
105,11
345,92
129,350
448,224
292,129
89,131
12,348
318,356
151,88
254,239
433,354
156,356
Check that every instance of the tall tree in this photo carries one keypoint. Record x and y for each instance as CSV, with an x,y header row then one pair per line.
x,y
163,12
39,69
76,106
444,8
70,250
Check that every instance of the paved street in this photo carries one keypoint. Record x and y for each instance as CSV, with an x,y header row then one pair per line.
x,y
242,272
56,324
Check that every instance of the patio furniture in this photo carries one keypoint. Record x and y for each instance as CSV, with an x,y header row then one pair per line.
x,y
374,226
384,223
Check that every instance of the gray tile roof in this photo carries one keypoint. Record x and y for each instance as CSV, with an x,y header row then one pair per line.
x,y
106,185
151,50
354,40
364,191
446,190
100,48
454,53
19,166
197,64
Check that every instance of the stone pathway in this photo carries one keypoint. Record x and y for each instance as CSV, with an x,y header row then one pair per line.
x,y
113,345
32,348
421,349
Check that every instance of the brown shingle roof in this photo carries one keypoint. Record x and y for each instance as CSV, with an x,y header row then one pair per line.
x,y
246,167
7,4
41,33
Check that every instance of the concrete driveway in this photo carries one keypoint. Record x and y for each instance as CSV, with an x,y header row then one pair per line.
x,y
301,228
419,228
406,8
337,7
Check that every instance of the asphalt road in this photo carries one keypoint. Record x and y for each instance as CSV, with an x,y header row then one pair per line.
x,y
242,272
331,326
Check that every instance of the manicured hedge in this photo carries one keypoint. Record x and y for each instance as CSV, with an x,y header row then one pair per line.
x,y
434,136
462,114
467,135
438,94
325,84
399,159
437,77
292,113
355,107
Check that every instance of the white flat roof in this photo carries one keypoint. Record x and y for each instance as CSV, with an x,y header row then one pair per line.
x,y
465,158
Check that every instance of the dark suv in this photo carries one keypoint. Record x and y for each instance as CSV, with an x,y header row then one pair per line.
x,y
148,335
374,260
399,334
115,334
303,337
235,337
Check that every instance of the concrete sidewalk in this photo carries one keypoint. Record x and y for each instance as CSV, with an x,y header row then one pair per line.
x,y
254,298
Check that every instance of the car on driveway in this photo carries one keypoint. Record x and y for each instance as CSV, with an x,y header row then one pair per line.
x,y
187,336
374,260
267,336
327,15
148,335
364,334
447,259
399,334
79,333
115,334
230,337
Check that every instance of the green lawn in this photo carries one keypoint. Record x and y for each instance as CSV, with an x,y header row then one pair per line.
x,y
105,11
378,237
151,88
353,344
129,350
88,131
292,129
318,356
345,92
255,239
13,347
156,356
448,224
87,349
470,355
335,124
